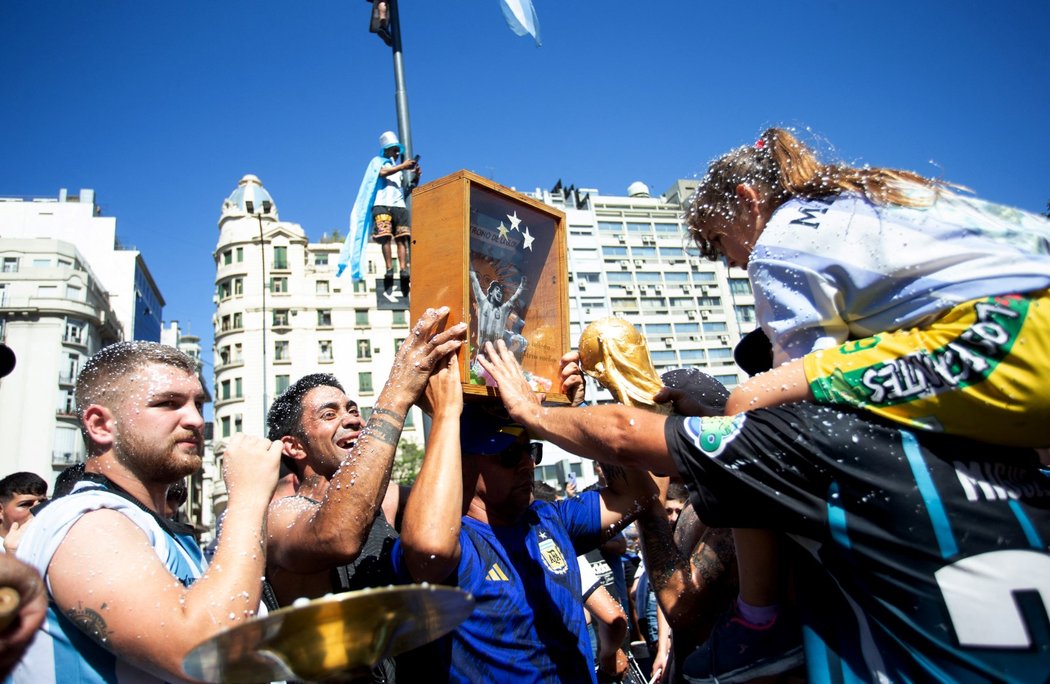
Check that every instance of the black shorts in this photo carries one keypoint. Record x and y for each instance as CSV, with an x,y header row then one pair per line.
x,y
390,222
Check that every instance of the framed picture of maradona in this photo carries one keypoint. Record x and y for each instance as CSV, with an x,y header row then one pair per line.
x,y
498,260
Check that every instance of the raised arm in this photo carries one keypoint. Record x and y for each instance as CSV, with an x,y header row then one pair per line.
x,y
306,539
479,296
517,293
434,512
107,579
688,569
621,435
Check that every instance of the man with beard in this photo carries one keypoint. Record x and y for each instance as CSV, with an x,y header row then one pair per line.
x,y
327,530
129,597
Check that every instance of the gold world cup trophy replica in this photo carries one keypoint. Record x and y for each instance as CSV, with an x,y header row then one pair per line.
x,y
614,353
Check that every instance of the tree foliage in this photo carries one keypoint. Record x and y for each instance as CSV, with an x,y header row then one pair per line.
x,y
407,463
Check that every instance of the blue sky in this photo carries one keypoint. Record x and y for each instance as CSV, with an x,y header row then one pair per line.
x,y
162,107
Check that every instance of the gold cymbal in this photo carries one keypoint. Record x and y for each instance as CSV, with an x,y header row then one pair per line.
x,y
340,634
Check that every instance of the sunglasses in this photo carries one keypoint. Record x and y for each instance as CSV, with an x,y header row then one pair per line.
x,y
511,456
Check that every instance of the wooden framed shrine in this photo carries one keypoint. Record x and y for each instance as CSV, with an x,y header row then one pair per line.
x,y
499,261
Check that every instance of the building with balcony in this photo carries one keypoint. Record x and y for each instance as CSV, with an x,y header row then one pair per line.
x,y
629,257
67,289
281,313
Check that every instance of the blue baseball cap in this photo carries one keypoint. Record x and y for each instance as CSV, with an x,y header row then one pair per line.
x,y
488,431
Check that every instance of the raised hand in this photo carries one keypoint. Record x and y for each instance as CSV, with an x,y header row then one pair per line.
x,y
573,384
517,396
424,349
251,463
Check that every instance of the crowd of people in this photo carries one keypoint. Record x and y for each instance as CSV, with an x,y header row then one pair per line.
x,y
870,506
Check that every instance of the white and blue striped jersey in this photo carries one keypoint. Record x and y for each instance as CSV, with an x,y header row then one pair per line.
x,y
61,652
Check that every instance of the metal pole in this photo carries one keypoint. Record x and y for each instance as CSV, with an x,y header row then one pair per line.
x,y
262,262
404,130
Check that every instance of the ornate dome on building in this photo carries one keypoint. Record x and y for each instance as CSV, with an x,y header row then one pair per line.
x,y
250,198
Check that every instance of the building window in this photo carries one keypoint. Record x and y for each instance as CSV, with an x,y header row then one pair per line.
x,y
9,265
740,286
72,368
74,293
360,287
3,293
238,423
279,285
410,422
238,287
324,318
75,331
399,317
364,349
47,291
324,351
322,287
364,383
745,314
238,389
240,255
398,341
238,321
227,257
281,318
67,404
225,289
320,258
280,383
224,391
225,426
224,355
280,257
280,350
361,317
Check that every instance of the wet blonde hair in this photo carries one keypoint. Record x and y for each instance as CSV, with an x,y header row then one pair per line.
x,y
779,167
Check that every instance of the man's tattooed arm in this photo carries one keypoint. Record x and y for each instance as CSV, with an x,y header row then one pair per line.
x,y
690,570
90,622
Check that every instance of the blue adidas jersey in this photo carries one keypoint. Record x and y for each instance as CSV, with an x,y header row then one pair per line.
x,y
528,623
928,556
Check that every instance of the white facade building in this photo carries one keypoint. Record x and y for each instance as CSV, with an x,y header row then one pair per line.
x,y
67,288
628,257
281,313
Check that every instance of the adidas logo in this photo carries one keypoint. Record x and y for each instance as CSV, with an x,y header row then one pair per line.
x,y
496,574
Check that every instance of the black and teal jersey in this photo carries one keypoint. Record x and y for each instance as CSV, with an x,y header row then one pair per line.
x,y
927,555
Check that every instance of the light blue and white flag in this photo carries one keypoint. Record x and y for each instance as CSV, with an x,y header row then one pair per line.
x,y
353,252
521,18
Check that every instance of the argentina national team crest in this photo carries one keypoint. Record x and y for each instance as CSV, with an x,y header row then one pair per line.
x,y
551,555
